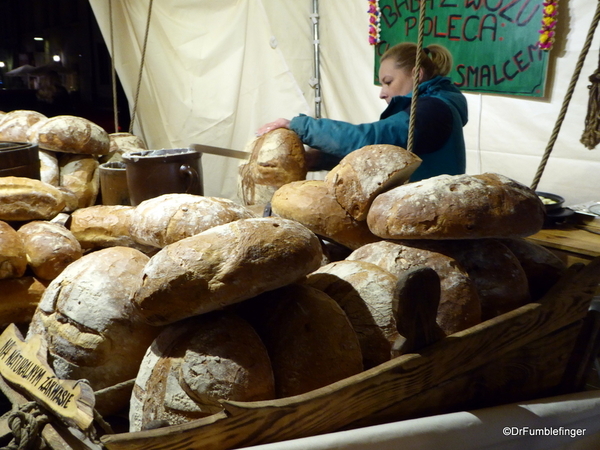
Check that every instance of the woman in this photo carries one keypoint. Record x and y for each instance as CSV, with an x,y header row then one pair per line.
x,y
440,116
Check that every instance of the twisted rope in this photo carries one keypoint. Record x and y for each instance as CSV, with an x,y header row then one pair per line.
x,y
26,424
416,75
139,83
112,67
591,132
568,96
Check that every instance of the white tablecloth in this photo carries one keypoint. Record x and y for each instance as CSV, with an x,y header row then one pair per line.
x,y
558,423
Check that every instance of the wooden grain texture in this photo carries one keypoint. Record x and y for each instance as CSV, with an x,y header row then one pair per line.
x,y
390,384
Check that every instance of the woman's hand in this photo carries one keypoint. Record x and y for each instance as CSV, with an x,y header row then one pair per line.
x,y
279,123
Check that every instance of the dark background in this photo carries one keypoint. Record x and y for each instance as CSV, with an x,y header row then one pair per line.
x,y
69,30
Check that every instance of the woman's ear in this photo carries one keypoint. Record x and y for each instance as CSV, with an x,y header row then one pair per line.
x,y
421,74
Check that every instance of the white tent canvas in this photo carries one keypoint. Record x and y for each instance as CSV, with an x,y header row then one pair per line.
x,y
215,71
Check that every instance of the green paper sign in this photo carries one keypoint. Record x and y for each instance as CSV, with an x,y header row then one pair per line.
x,y
494,42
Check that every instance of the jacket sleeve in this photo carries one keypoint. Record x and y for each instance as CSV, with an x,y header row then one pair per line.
x,y
340,138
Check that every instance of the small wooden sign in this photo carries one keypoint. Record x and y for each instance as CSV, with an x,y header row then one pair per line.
x,y
22,364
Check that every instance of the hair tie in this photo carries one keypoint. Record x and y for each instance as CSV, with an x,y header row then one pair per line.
x,y
427,51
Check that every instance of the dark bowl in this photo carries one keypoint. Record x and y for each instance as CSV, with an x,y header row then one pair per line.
x,y
552,202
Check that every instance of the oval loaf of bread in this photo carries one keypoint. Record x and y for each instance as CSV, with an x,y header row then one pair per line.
x,y
15,125
50,248
71,134
457,207
314,206
13,257
24,199
223,265
365,173
193,364
365,292
162,220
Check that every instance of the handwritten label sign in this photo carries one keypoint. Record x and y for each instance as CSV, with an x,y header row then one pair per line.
x,y
494,42
21,364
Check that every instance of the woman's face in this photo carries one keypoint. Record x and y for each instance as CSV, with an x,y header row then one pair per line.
x,y
394,81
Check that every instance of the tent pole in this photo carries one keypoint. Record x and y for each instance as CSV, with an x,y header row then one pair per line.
x,y
316,80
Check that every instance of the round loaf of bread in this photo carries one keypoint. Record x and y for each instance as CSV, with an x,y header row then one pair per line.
x,y
120,143
15,125
314,206
224,265
13,258
309,338
496,272
49,171
457,207
102,226
193,364
71,134
50,248
89,325
365,292
162,220
24,199
20,297
542,267
80,175
365,173
276,158
459,308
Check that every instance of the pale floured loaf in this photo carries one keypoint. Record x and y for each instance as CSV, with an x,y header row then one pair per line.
x,y
366,293
49,171
276,158
224,265
457,207
89,325
309,338
193,364
162,220
50,248
121,142
71,134
13,257
24,199
365,173
15,125
313,205
459,307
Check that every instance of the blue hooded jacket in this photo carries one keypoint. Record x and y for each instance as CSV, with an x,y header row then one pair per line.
x,y
439,141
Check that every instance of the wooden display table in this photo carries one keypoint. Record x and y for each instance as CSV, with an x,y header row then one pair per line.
x,y
577,240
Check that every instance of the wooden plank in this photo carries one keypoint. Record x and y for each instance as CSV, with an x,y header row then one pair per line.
x,y
339,404
569,238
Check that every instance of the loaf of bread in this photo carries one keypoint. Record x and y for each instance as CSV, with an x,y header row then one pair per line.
x,y
24,199
542,267
20,297
366,293
276,158
459,308
49,171
120,143
457,207
309,338
365,173
102,226
15,125
314,206
497,274
89,325
162,220
80,175
196,362
71,134
224,265
13,258
50,248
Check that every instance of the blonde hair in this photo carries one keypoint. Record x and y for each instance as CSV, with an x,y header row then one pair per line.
x,y
435,59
